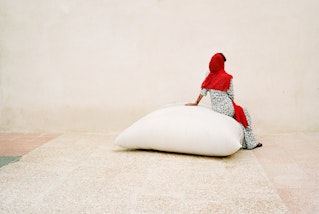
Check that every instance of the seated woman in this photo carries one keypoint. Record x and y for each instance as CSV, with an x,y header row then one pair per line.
x,y
219,84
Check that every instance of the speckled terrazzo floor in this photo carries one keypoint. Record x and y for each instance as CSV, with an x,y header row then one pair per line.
x,y
86,173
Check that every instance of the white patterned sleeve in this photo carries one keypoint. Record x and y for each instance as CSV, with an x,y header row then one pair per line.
x,y
230,91
204,91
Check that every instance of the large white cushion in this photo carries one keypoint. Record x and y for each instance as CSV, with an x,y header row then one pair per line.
x,y
184,129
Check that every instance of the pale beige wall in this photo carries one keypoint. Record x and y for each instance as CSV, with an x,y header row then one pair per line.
x,y
94,65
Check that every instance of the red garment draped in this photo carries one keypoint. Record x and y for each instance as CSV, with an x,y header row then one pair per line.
x,y
218,79
240,114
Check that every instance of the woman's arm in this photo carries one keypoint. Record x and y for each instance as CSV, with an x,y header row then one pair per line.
x,y
203,92
200,96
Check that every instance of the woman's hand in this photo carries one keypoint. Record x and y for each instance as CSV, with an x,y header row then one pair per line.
x,y
197,101
191,104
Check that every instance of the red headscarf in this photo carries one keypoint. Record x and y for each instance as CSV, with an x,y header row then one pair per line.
x,y
218,79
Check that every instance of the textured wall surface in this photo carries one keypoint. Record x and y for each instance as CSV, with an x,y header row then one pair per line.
x,y
99,65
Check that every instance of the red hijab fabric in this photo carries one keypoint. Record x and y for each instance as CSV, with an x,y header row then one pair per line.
x,y
218,79
240,115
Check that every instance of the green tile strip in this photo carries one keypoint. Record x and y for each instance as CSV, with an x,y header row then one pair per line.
x,y
4,160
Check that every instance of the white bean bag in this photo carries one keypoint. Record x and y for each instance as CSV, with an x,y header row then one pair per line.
x,y
184,129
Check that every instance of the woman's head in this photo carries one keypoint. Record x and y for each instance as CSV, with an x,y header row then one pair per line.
x,y
223,56
217,78
217,62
